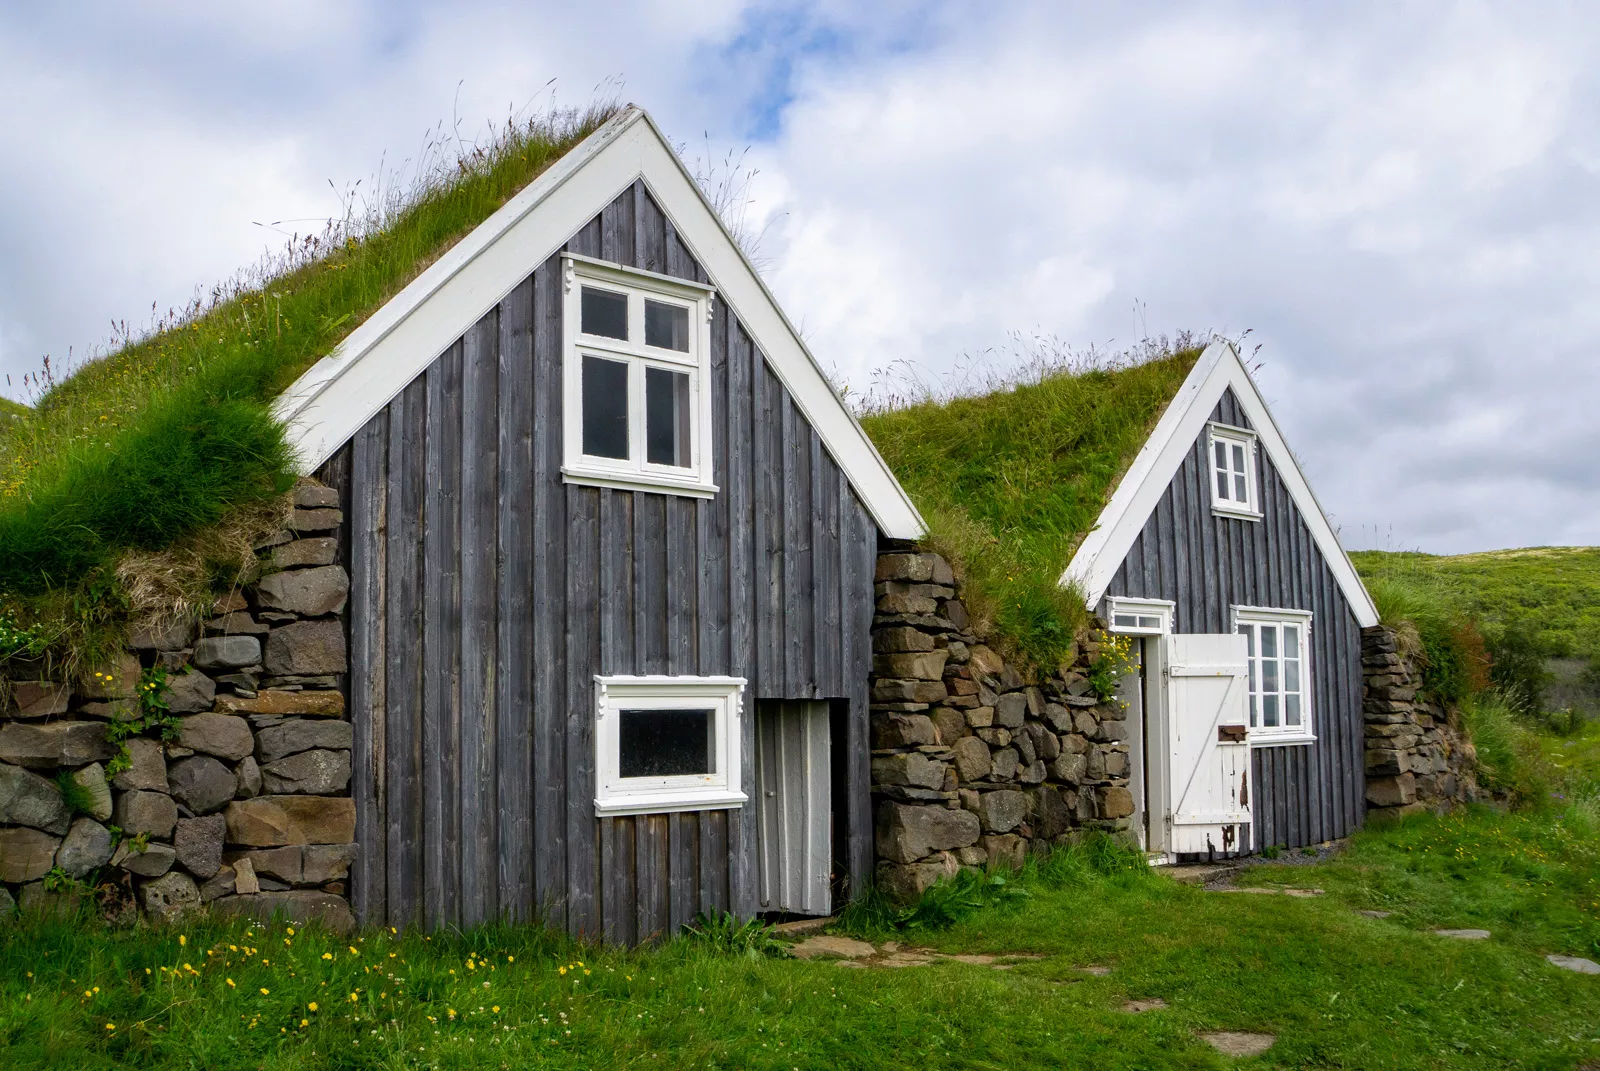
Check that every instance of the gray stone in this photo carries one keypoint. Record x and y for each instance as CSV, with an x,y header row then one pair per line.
x,y
948,725
219,885
905,882
227,652
37,699
901,638
914,568
1239,1044
223,735
148,769
1097,766
1070,767
8,906
1006,850
971,757
1465,935
244,877
327,862
1023,741
1392,791
299,906
906,833
96,792
320,773
282,703
888,730
1004,765
1011,710
170,896
37,902
1574,963
247,779
60,743
26,799
1112,731
1002,811
268,821
312,592
153,813
980,717
308,494
1052,813
316,520
1116,764
284,864
190,693
202,784
317,550
237,623
1033,773
26,854
156,859
86,847
306,648
111,709
1059,717
198,843
912,768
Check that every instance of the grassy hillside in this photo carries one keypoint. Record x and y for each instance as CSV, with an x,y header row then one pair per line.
x,y
1555,588
1011,482
172,430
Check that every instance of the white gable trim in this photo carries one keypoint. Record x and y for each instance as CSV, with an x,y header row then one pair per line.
x,y
341,392
1158,461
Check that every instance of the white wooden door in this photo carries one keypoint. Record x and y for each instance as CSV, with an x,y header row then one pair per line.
x,y
794,806
1207,699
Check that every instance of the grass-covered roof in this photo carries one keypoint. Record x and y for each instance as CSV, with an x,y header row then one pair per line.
x,y
172,431
1010,481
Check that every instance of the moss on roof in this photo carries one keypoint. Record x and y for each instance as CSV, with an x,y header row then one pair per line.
x,y
171,431
1010,482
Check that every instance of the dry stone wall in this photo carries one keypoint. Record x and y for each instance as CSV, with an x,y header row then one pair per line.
x,y
1417,755
247,809
972,765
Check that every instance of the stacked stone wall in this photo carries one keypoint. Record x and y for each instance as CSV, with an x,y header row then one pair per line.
x,y
247,809
973,765
1418,756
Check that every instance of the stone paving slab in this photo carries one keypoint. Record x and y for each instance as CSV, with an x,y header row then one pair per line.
x,y
1574,963
1239,1044
1465,935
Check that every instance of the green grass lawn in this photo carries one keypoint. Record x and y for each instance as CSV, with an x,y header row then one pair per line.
x,y
1337,988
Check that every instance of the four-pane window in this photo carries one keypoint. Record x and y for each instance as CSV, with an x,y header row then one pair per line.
x,y
1279,663
636,381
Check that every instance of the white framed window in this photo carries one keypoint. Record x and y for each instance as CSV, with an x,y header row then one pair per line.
x,y
1232,454
1140,617
1279,646
667,744
636,367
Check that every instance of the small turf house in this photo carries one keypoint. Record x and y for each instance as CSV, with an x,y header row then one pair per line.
x,y
611,537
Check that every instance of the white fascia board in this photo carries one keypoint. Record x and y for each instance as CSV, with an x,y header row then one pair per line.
x,y
1219,367
341,392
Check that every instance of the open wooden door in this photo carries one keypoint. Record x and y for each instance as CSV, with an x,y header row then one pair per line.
x,y
794,806
1207,697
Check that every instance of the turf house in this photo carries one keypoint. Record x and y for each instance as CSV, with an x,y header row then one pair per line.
x,y
592,602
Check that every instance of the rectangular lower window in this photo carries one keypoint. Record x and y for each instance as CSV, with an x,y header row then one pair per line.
x,y
667,744
1277,643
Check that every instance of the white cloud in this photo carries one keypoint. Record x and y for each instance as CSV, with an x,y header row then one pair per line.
x,y
1402,202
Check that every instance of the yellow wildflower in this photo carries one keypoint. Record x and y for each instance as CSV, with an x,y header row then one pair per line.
x,y
312,1006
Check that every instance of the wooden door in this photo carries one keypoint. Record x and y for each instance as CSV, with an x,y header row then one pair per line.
x,y
794,806
1207,694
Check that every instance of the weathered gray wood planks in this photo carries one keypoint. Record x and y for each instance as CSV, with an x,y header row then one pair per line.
x,y
1304,794
486,594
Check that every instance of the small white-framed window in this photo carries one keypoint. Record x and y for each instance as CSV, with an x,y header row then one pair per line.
x,y
667,744
1279,646
636,370
1139,617
1232,456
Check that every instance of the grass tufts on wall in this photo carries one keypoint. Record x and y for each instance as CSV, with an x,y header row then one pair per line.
x,y
1011,480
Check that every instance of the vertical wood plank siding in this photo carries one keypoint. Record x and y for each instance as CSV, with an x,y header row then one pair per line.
x,y
486,594
1303,794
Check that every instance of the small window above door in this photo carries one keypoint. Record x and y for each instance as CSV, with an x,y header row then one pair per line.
x,y
1139,617
636,374
1231,458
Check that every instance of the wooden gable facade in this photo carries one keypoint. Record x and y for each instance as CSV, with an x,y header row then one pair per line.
x,y
487,594
1206,563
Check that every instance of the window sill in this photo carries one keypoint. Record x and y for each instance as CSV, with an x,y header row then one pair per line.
x,y
1235,514
1282,741
669,802
624,481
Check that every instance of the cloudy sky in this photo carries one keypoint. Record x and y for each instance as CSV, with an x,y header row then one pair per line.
x,y
1400,202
